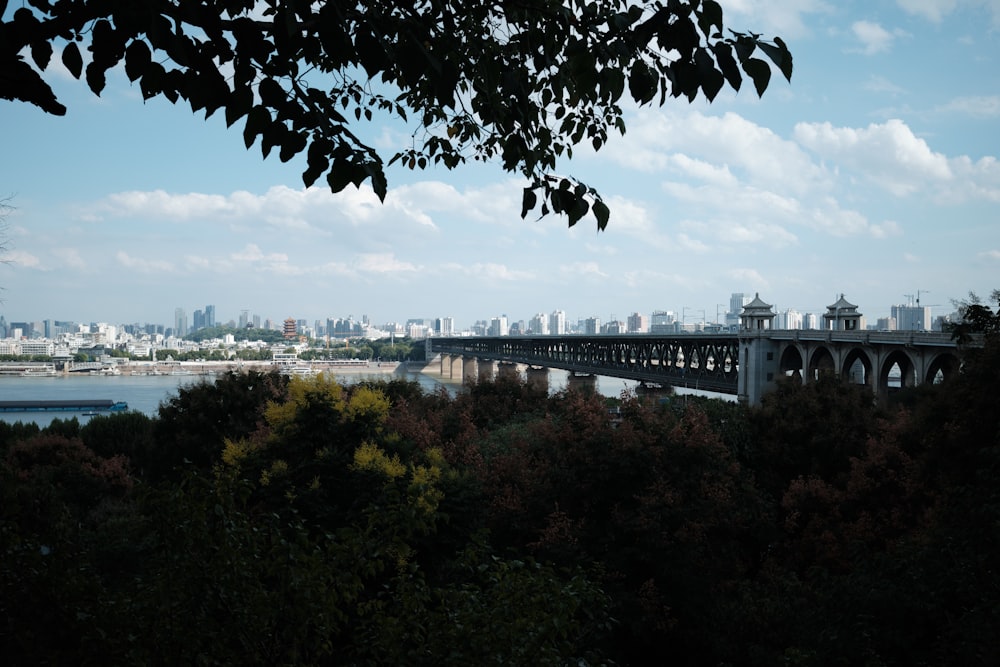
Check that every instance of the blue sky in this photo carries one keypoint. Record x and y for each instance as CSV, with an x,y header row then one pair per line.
x,y
874,173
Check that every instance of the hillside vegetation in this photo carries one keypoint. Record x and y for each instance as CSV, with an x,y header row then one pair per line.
x,y
259,520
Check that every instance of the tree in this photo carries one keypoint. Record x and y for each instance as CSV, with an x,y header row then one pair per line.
x,y
976,318
521,82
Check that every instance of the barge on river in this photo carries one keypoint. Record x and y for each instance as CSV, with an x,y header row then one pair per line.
x,y
75,405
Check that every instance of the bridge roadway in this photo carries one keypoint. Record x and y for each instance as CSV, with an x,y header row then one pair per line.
x,y
706,362
712,362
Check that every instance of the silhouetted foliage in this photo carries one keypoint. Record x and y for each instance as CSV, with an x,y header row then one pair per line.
x,y
522,83
377,524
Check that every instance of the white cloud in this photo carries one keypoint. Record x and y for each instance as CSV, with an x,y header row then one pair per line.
x,y
873,37
932,10
22,259
252,253
486,272
991,255
383,264
788,18
888,154
591,269
879,84
143,265
716,148
749,277
981,106
70,258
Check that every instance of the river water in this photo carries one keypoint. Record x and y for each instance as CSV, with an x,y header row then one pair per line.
x,y
145,393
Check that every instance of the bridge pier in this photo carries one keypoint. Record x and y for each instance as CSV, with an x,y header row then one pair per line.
x,y
508,371
469,375
487,370
581,382
538,378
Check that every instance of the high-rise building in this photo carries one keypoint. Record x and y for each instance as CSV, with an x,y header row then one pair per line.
x,y
498,326
789,319
663,322
637,323
736,302
539,324
592,326
613,328
912,318
447,326
180,322
557,323
244,319
209,316
198,320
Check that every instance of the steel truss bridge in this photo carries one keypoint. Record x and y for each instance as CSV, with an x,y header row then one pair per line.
x,y
707,362
745,363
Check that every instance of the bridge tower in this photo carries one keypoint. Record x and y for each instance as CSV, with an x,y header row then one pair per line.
x,y
842,316
758,364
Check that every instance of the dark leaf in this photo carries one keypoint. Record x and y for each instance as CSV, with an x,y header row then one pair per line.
x,y
137,58
95,77
602,213
240,103
41,53
72,59
293,144
22,83
727,63
258,120
711,79
528,201
759,71
710,15
779,55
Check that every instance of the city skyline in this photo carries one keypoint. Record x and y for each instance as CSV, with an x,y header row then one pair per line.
x,y
875,174
910,315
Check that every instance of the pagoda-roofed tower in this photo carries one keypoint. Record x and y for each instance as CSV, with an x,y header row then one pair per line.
x,y
842,316
757,315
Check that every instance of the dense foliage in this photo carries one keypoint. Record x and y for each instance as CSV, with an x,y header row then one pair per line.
x,y
521,83
259,520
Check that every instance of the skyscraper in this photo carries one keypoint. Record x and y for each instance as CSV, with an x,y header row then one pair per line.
x,y
209,315
557,323
736,302
638,323
180,322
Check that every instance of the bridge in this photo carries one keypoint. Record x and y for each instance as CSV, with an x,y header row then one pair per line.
x,y
746,363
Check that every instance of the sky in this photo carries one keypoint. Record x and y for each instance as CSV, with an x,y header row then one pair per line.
x,y
873,174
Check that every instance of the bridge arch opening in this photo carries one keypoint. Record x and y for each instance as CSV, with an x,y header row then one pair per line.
x,y
857,367
821,363
943,367
791,364
898,372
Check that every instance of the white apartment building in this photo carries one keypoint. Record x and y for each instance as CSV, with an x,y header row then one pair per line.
x,y
557,323
539,324
912,318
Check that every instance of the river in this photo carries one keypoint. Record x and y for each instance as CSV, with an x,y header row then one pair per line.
x,y
145,393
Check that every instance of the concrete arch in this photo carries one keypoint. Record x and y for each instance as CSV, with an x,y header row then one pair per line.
x,y
820,361
945,363
857,366
791,364
907,372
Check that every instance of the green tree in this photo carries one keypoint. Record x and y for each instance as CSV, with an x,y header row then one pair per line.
x,y
518,82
